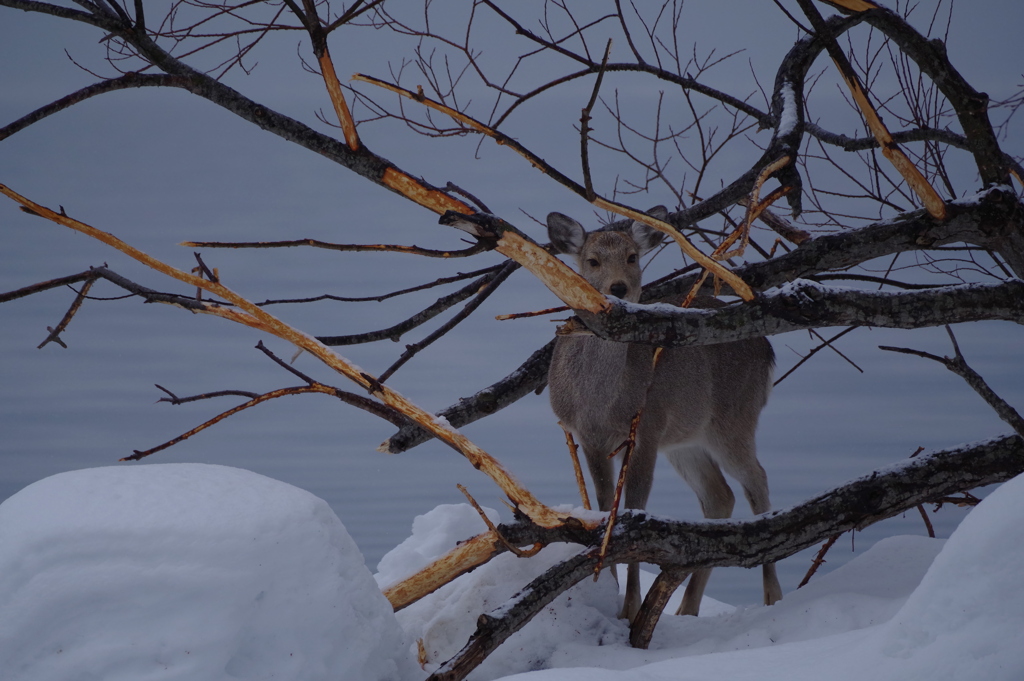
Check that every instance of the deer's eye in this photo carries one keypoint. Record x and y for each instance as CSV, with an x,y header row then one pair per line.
x,y
631,259
593,263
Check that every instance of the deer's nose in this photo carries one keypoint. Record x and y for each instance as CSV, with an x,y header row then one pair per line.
x,y
618,289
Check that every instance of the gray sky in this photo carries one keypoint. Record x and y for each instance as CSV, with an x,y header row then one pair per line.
x,y
160,167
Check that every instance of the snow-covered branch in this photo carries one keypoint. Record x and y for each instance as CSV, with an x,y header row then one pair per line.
x,y
805,304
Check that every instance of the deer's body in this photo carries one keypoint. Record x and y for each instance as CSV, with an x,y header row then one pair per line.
x,y
700,404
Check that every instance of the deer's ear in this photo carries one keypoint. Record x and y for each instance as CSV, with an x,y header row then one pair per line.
x,y
659,212
646,237
567,235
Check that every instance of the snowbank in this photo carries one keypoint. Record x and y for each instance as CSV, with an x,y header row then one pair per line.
x,y
186,572
203,572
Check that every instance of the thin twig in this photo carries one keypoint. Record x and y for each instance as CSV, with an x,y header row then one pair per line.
x,y
754,208
210,274
260,399
813,352
818,560
452,187
414,348
478,247
835,349
588,182
623,471
575,456
385,296
77,303
128,80
175,400
490,526
613,512
958,365
927,521
536,313
396,331
886,281
283,364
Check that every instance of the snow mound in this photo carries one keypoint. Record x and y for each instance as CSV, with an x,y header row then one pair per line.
x,y
966,617
186,571
433,534
444,620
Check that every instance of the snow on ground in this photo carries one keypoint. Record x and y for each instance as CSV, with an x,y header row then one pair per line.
x,y
446,619
186,571
894,613
204,572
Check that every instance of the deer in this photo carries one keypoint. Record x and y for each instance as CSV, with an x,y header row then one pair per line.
x,y
700,404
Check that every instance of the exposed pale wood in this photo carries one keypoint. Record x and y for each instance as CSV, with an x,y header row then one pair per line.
x,y
933,203
413,189
853,5
348,126
460,560
559,278
562,280
453,113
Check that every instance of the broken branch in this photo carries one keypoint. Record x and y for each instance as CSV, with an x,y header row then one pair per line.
x,y
254,316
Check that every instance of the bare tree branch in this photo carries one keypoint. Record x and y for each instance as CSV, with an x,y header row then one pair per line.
x,y
531,376
476,248
129,80
958,365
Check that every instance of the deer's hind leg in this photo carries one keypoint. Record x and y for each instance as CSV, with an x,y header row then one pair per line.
x,y
747,470
703,475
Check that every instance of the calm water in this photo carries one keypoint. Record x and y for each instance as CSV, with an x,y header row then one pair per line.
x,y
95,402
160,168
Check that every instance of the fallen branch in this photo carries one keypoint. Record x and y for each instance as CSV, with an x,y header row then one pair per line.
x,y
253,316
540,263
767,538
